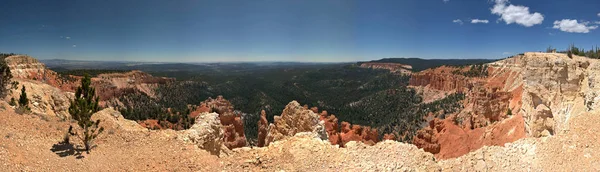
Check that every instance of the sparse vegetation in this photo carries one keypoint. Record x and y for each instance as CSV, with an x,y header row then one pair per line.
x,y
23,103
550,49
23,100
594,52
478,70
82,107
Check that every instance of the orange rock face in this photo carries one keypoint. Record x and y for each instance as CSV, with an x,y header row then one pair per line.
x,y
389,137
440,79
263,126
347,132
484,120
448,140
151,124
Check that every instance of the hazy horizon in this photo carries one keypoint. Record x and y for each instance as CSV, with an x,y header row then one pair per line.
x,y
293,31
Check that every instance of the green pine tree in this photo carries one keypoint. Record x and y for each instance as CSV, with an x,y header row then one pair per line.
x,y
23,101
82,108
5,74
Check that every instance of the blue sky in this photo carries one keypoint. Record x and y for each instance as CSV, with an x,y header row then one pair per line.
x,y
298,30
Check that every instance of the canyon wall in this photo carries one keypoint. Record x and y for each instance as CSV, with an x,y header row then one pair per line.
x,y
530,95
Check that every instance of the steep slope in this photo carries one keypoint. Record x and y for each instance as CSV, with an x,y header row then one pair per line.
x,y
44,100
30,143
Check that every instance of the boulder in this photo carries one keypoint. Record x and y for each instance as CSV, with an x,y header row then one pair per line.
x,y
294,119
206,133
111,119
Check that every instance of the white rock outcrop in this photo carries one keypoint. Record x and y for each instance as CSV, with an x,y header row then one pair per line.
x,y
44,99
295,119
207,133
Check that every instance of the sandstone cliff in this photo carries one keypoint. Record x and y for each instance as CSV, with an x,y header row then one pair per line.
x,y
109,87
114,85
26,67
542,91
44,99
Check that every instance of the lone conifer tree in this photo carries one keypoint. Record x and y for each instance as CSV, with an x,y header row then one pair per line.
x,y
5,75
82,108
23,101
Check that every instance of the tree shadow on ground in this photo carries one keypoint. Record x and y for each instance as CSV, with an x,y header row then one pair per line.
x,y
64,149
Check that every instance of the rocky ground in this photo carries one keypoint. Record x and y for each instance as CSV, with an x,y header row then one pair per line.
x,y
30,143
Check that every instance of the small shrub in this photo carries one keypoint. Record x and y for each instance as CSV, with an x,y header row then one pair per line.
x,y
12,102
23,101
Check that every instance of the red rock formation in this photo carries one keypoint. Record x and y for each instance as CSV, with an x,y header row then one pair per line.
x,y
448,140
263,126
337,135
483,121
150,124
489,106
440,79
350,132
389,137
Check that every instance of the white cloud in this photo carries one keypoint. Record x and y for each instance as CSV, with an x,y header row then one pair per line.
x,y
74,45
479,21
446,1
516,14
67,37
572,26
597,22
457,21
550,33
598,14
